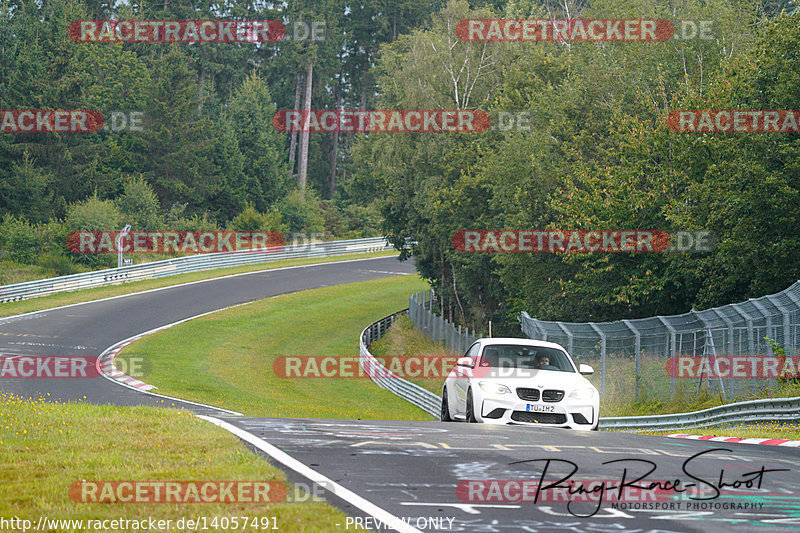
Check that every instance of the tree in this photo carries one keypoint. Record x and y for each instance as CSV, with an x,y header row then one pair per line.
x,y
251,110
138,206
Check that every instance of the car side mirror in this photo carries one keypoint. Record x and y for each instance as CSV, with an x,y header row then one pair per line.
x,y
586,370
464,361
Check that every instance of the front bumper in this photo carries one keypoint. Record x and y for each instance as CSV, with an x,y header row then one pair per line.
x,y
567,413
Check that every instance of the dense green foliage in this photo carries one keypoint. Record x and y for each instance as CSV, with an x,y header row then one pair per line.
x,y
598,155
204,153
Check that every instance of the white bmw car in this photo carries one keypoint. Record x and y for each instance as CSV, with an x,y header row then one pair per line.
x,y
520,381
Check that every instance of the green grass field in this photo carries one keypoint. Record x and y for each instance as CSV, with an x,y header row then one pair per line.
x,y
226,359
46,447
86,295
223,359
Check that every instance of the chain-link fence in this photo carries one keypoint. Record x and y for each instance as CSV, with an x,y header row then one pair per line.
x,y
725,348
455,338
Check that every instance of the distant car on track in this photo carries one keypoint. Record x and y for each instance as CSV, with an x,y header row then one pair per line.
x,y
520,381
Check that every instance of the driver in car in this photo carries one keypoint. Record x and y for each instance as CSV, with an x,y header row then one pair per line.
x,y
542,361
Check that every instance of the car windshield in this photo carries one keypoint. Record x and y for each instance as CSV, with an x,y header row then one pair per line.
x,y
527,357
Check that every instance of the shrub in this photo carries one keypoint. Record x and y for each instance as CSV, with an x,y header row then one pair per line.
x,y
60,263
93,214
139,206
251,220
362,221
20,240
301,212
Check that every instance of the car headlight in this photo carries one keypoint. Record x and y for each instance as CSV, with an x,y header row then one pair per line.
x,y
584,394
495,388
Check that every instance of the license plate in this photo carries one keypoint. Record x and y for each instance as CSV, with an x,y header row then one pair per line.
x,y
534,408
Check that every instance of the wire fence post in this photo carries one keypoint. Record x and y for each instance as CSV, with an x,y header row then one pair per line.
x,y
602,357
637,348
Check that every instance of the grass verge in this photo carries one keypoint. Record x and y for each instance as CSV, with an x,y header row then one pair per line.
x,y
761,430
48,446
404,340
226,359
86,295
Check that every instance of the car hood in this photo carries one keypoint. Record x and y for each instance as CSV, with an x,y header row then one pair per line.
x,y
535,379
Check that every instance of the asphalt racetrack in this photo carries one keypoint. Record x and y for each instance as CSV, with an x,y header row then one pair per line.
x,y
440,476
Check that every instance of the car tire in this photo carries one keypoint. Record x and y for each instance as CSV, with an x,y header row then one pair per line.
x,y
470,408
444,414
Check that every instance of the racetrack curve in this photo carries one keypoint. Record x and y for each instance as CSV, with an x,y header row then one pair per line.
x,y
88,329
413,469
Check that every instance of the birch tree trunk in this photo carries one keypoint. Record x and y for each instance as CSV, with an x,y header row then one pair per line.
x,y
298,92
334,154
302,174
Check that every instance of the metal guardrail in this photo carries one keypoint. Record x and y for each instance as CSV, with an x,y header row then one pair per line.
x,y
184,265
773,409
385,378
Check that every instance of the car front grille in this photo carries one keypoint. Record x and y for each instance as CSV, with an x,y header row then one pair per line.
x,y
531,395
552,395
539,418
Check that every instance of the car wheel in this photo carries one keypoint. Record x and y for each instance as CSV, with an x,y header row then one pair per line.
x,y
470,408
444,416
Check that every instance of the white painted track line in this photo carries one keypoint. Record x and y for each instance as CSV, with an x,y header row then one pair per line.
x,y
388,519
